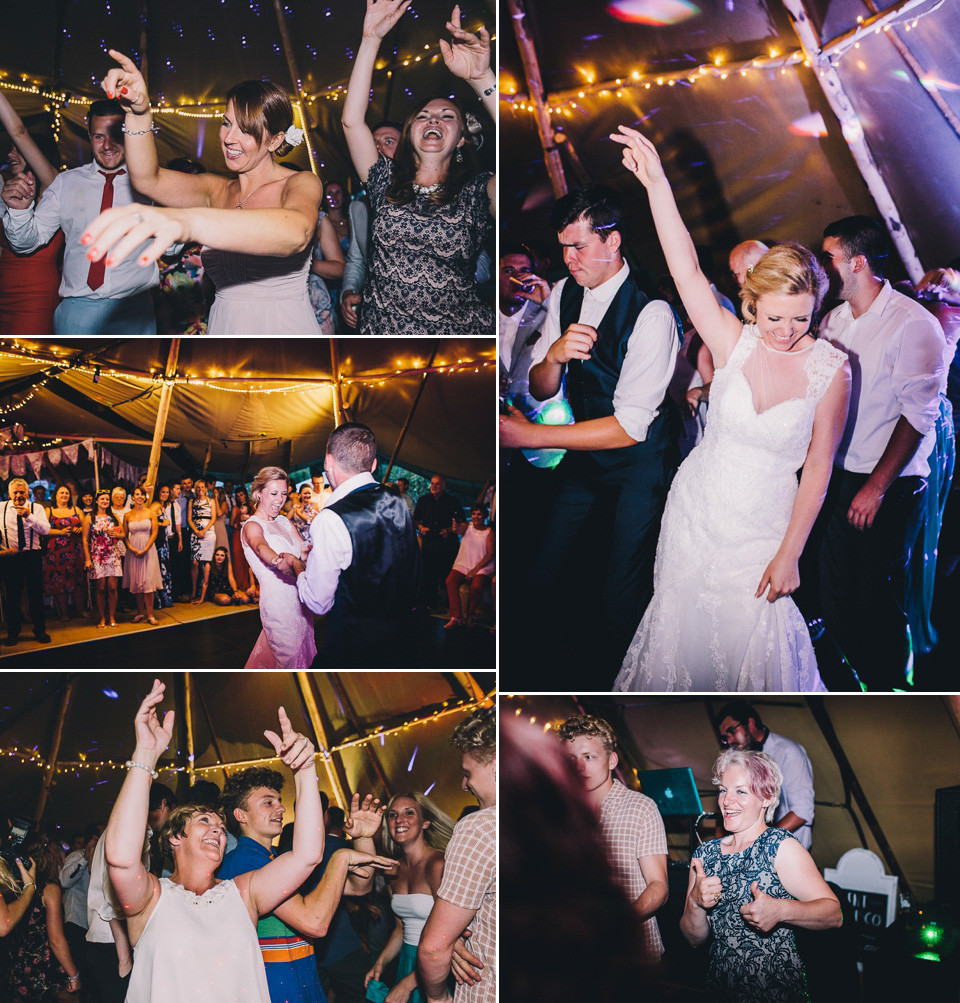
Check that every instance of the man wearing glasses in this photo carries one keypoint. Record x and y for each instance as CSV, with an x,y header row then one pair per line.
x,y
739,727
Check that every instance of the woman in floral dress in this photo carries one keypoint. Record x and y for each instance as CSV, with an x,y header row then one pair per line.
x,y
103,558
63,558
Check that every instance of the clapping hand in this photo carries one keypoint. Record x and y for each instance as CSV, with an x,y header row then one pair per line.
x,y
640,157
381,16
152,736
295,750
468,55
364,819
125,84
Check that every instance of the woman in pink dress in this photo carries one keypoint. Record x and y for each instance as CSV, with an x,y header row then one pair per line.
x,y
141,566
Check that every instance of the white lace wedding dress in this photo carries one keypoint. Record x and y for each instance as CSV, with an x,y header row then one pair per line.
x,y
287,640
725,518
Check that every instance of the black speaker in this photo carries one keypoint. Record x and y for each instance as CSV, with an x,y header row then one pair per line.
x,y
946,847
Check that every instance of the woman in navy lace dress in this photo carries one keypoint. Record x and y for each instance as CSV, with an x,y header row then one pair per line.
x,y
748,889
432,206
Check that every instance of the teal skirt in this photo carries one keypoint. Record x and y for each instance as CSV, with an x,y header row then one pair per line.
x,y
406,964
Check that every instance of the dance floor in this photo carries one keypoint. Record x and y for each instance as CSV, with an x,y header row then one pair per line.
x,y
208,638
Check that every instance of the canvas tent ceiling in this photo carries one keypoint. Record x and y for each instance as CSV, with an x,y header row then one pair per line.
x,y
760,156
197,51
451,431
230,712
900,750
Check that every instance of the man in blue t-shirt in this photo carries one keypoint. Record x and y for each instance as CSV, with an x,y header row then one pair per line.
x,y
252,804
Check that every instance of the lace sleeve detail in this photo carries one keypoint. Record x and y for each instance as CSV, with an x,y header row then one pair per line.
x,y
378,180
745,343
824,361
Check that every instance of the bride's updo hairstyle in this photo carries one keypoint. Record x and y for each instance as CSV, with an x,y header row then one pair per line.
x,y
262,107
786,269
266,474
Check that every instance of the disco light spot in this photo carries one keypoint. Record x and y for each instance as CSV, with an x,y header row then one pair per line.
x,y
652,11
112,694
935,84
809,125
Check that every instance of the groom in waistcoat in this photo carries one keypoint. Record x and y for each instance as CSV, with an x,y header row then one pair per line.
x,y
364,568
614,352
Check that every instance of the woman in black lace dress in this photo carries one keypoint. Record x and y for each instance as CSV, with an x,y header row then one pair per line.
x,y
432,205
748,889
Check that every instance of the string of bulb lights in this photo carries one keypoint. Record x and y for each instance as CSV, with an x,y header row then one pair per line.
x,y
772,63
379,735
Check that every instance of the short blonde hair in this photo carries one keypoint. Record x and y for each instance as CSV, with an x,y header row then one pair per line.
x,y
260,481
786,269
176,823
590,727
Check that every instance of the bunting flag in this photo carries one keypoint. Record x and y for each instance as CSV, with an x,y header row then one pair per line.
x,y
53,457
36,462
18,464
4,467
71,453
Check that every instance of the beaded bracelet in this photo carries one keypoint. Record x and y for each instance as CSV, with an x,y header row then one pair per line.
x,y
139,132
141,766
489,91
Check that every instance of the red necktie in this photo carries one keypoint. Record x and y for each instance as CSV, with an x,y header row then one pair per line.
x,y
98,268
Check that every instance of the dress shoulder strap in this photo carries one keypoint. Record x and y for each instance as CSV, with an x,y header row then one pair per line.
x,y
744,346
824,361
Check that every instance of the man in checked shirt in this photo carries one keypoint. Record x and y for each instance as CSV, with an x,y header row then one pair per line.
x,y
630,824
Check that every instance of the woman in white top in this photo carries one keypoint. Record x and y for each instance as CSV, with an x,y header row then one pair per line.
x,y
190,929
416,833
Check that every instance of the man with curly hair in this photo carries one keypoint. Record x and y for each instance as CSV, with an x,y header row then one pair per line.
x,y
254,810
630,825
468,893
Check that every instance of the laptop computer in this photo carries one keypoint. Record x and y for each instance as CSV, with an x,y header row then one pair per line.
x,y
674,791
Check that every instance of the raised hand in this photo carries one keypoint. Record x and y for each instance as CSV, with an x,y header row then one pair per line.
x,y
707,891
364,819
20,191
381,16
119,231
468,55
27,873
126,85
361,863
152,736
763,912
294,749
640,157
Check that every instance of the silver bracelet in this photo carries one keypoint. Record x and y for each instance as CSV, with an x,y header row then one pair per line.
x,y
138,132
141,766
489,91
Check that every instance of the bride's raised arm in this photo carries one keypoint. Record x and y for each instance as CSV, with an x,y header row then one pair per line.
x,y
719,328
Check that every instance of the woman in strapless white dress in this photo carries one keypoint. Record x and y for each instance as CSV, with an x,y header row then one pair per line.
x,y
415,833
191,930
258,258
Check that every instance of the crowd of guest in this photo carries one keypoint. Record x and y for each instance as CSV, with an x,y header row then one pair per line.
x,y
601,399
108,555
372,882
123,245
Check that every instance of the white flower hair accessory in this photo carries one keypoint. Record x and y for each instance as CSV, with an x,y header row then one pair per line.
x,y
293,135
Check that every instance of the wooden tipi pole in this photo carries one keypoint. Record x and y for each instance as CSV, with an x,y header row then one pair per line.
x,y
313,712
531,69
829,80
410,413
163,410
54,752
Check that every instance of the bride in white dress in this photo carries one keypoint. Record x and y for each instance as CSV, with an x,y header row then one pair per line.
x,y
736,519
276,552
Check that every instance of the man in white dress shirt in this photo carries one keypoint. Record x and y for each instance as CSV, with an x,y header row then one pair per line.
x,y
364,566
615,353
96,298
23,525
875,503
